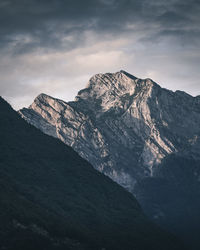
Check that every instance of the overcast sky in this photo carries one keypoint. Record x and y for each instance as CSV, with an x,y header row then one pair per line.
x,y
55,46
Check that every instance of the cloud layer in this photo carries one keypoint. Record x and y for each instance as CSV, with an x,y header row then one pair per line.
x,y
55,46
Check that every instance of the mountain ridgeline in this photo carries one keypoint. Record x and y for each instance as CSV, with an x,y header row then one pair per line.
x,y
123,125
144,137
51,198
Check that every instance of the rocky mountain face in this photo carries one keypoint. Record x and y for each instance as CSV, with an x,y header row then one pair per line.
x,y
51,198
146,138
124,126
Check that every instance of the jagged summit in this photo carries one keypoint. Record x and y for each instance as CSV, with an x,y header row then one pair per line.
x,y
128,74
105,91
102,93
42,96
45,97
145,122
109,87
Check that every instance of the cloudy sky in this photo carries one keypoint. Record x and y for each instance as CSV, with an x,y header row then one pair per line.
x,y
55,46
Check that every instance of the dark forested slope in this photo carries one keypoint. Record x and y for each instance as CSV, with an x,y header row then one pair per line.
x,y
51,198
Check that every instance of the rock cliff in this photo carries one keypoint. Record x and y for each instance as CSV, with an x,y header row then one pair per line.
x,y
124,126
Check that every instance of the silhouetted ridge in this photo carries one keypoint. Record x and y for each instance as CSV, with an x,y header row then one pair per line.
x,y
53,199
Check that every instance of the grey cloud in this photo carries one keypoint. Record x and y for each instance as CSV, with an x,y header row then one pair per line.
x,y
46,45
47,22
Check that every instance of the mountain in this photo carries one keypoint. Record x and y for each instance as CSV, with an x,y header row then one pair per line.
x,y
124,126
129,128
51,198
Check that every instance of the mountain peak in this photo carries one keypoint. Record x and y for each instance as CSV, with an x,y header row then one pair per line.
x,y
46,100
131,111
104,91
128,74
43,96
114,91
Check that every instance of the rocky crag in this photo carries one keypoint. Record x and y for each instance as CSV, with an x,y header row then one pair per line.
x,y
124,126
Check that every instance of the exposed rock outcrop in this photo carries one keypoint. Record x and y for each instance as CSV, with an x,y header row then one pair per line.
x,y
124,126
